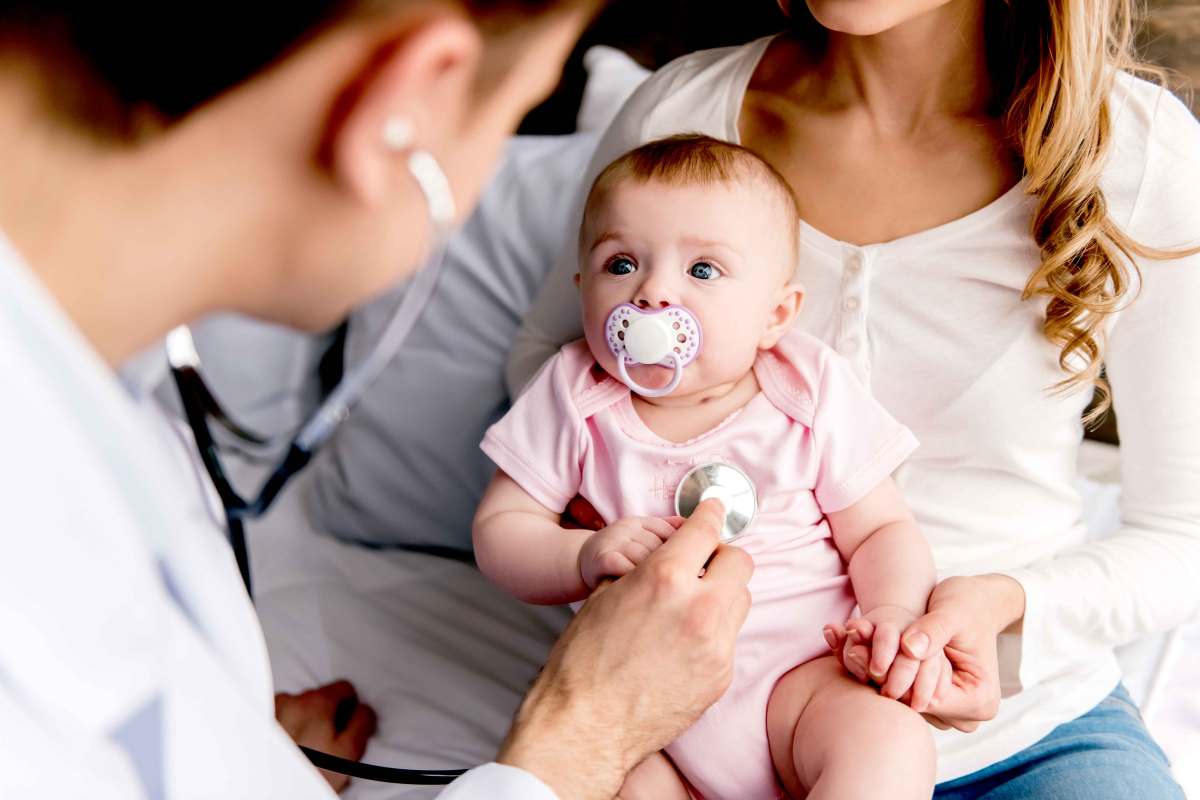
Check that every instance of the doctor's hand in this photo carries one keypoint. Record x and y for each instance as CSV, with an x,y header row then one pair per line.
x,y
645,656
329,718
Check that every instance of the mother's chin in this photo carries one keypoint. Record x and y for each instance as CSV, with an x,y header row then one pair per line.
x,y
865,17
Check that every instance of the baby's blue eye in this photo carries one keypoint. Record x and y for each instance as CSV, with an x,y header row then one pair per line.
x,y
621,266
703,270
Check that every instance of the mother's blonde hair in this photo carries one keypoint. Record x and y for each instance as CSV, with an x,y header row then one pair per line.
x,y
1054,64
1064,57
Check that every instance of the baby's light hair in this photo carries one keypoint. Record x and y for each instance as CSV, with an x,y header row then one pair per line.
x,y
689,159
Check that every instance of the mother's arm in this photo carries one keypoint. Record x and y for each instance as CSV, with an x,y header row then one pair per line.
x,y
1146,577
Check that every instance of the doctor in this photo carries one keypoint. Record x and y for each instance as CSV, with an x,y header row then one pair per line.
x,y
161,161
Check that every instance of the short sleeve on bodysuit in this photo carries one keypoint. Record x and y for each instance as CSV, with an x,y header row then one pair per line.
x,y
539,442
858,442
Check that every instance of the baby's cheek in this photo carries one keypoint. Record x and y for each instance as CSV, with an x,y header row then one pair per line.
x,y
725,356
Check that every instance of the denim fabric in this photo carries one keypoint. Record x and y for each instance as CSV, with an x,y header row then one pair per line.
x,y
1106,754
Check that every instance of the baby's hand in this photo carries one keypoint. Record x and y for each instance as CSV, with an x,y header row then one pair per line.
x,y
869,647
870,644
616,549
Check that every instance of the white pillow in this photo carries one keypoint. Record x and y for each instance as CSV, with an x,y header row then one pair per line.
x,y
406,468
612,77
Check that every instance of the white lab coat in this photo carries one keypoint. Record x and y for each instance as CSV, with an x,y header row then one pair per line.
x,y
131,662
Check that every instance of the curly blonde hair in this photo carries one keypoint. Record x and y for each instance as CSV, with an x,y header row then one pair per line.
x,y
1065,57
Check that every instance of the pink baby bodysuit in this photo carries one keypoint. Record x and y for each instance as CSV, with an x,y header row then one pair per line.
x,y
813,441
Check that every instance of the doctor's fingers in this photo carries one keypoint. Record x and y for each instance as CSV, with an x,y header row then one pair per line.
x,y
727,576
695,541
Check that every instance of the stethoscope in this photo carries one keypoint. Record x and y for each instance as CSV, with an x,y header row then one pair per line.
x,y
669,337
199,405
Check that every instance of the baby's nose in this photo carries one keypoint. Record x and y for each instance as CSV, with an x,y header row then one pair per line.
x,y
655,292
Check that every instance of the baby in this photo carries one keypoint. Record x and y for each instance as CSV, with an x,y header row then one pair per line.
x,y
687,252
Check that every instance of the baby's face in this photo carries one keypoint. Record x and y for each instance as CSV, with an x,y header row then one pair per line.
x,y
723,251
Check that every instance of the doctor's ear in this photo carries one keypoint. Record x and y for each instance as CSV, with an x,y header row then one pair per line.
x,y
413,91
783,315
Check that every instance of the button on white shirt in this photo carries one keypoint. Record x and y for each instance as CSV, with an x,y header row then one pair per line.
x,y
934,323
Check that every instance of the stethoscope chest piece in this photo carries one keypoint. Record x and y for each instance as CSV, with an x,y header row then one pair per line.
x,y
726,482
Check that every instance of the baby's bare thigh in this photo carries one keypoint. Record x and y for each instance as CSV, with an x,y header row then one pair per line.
x,y
819,717
654,779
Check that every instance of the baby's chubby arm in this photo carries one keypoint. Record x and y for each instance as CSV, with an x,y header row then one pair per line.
x,y
522,546
891,569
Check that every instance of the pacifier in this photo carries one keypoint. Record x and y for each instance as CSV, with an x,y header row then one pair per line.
x,y
667,337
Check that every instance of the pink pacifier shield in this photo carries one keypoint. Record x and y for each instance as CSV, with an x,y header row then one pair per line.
x,y
681,325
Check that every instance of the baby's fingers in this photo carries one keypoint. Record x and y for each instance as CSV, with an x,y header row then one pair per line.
x,y
659,527
900,677
648,539
835,636
885,643
636,552
614,563
860,630
855,657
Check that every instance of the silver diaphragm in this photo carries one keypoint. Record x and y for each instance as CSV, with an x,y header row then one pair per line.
x,y
723,481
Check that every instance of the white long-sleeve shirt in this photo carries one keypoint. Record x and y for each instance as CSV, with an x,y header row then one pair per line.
x,y
935,325
132,664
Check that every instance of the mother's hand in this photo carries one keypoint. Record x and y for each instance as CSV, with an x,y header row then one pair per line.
x,y
964,617
959,629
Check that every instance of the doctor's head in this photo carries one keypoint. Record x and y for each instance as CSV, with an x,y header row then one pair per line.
x,y
264,148
694,222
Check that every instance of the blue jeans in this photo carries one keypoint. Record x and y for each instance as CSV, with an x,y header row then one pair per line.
x,y
1107,754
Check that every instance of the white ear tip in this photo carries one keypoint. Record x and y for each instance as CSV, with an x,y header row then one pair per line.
x,y
397,133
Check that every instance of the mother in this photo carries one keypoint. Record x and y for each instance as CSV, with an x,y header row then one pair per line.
x,y
162,161
993,209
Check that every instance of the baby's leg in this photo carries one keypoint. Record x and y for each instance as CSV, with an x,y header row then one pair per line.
x,y
832,737
654,779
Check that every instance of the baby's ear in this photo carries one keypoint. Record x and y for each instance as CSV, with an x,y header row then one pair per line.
x,y
783,316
